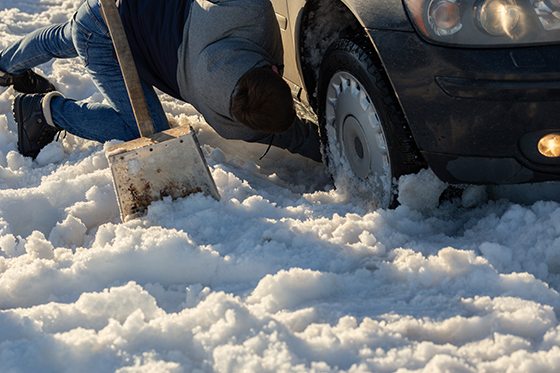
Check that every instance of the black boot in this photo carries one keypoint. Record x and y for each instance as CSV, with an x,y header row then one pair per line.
x,y
35,129
26,82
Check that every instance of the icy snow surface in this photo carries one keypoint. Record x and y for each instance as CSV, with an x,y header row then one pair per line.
x,y
284,274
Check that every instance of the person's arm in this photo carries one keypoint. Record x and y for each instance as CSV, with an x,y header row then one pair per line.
x,y
301,138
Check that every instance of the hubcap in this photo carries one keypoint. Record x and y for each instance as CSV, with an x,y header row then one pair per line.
x,y
351,113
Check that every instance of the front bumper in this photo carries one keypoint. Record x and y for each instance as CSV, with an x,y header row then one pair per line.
x,y
476,114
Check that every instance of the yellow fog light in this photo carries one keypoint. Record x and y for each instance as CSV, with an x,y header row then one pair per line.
x,y
549,146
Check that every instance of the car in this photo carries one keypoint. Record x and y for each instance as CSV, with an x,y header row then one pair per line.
x,y
467,88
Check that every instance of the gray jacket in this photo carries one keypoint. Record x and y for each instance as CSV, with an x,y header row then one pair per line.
x,y
222,40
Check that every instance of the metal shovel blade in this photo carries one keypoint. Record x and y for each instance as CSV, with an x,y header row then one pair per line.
x,y
167,163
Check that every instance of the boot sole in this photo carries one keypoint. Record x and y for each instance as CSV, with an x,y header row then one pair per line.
x,y
19,119
16,110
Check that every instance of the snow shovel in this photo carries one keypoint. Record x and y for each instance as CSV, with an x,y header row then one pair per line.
x,y
156,165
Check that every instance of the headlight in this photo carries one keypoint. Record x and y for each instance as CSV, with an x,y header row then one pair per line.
x,y
444,17
486,22
498,17
548,13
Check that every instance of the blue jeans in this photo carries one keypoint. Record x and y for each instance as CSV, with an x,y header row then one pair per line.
x,y
85,36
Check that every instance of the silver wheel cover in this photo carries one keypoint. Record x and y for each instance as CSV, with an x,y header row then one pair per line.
x,y
354,118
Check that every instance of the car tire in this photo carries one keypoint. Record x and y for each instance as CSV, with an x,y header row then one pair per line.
x,y
367,141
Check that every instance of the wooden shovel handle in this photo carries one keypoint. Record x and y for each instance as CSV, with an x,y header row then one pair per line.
x,y
128,68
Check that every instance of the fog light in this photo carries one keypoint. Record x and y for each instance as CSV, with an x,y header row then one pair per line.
x,y
498,17
549,146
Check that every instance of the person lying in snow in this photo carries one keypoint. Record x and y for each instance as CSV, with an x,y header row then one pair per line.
x,y
221,56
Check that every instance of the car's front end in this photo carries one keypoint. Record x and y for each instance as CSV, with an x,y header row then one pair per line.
x,y
478,115
478,83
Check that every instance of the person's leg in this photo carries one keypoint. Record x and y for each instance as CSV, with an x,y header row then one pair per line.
x,y
38,47
102,122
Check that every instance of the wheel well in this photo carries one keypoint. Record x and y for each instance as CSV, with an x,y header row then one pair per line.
x,y
320,26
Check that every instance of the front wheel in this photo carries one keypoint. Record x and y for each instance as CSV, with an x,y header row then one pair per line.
x,y
367,140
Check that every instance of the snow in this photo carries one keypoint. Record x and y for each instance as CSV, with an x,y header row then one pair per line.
x,y
284,274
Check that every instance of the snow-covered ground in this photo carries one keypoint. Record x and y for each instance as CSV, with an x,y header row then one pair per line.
x,y
284,274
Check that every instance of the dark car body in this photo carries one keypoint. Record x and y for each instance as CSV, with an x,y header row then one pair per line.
x,y
476,112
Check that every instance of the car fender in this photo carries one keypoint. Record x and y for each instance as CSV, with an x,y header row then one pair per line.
x,y
380,14
298,19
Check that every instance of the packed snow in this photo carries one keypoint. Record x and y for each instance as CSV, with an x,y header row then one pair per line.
x,y
285,273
